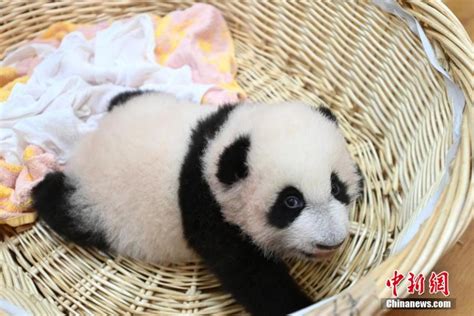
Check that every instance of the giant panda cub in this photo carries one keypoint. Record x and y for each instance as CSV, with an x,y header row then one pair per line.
x,y
240,186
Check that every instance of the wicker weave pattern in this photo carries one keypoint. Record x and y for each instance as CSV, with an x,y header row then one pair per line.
x,y
391,104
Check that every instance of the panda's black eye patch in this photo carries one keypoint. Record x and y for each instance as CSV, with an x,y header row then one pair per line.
x,y
287,207
339,189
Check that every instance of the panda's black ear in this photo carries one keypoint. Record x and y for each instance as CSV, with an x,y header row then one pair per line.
x,y
232,165
326,112
124,97
361,181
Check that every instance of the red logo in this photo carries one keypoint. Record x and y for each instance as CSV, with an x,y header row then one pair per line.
x,y
438,282
394,282
416,284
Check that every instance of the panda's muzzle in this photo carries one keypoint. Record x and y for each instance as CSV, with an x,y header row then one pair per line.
x,y
321,251
329,247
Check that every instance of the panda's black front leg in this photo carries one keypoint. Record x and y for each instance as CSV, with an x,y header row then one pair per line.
x,y
262,285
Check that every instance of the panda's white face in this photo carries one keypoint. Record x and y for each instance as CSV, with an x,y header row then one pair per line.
x,y
283,174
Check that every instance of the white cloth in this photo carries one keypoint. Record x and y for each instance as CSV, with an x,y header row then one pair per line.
x,y
69,91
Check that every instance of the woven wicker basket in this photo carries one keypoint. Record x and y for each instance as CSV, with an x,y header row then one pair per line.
x,y
392,106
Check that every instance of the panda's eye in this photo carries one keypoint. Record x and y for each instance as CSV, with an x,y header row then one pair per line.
x,y
335,189
339,189
287,207
293,202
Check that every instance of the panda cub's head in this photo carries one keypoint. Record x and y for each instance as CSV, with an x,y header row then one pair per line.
x,y
284,175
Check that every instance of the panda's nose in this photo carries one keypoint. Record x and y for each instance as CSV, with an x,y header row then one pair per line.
x,y
329,247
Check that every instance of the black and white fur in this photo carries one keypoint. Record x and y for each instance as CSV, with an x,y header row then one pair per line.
x,y
241,186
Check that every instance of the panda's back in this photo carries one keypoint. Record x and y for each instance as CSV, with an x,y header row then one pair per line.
x,y
127,172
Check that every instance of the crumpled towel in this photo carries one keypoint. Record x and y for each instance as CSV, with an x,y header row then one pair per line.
x,y
199,37
16,181
56,88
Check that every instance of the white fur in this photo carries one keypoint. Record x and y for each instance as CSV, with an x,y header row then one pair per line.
x,y
128,169
127,173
